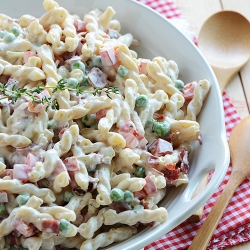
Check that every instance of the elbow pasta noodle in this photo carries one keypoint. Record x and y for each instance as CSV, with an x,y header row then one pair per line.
x,y
91,135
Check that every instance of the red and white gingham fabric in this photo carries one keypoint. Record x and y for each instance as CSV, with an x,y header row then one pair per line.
x,y
234,227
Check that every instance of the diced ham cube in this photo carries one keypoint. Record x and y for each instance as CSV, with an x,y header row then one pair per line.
x,y
20,172
80,25
143,66
60,167
160,147
3,197
25,229
101,113
153,160
150,187
31,161
97,78
61,133
188,91
108,57
112,33
27,55
71,164
50,226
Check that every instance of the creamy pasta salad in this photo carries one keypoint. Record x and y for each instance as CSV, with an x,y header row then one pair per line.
x,y
90,135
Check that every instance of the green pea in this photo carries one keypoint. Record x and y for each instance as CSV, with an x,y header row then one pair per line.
x,y
64,226
14,30
3,33
19,248
179,84
67,195
2,209
71,83
85,81
51,123
89,119
140,172
96,62
9,37
141,101
149,124
2,160
128,196
138,207
116,194
21,199
161,128
122,71
78,65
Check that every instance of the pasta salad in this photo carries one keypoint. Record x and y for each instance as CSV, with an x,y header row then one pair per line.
x,y
91,135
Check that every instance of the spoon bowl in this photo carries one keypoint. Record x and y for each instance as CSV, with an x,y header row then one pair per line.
x,y
240,159
224,40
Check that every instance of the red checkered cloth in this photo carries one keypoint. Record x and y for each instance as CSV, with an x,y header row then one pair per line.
x,y
234,227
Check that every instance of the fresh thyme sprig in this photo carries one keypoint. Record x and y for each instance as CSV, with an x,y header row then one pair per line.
x,y
15,93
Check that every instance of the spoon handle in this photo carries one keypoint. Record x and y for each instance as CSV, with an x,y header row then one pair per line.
x,y
205,233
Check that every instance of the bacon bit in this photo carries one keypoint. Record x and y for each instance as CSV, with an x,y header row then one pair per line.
x,y
183,156
27,55
143,66
79,191
188,91
170,172
13,239
71,164
119,206
97,78
7,172
101,113
150,187
25,229
58,60
109,57
31,160
144,204
140,194
50,226
160,147
38,106
61,133
3,197
80,25
20,172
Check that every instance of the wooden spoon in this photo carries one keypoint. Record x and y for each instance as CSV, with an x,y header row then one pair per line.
x,y
240,159
224,40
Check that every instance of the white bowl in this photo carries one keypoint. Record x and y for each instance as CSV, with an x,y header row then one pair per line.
x,y
160,38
